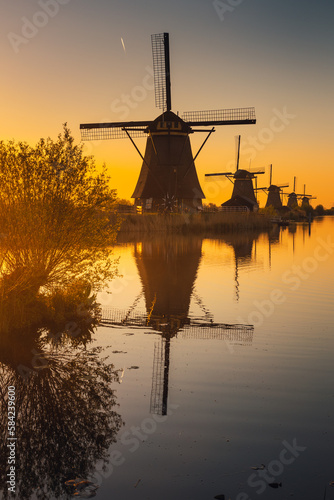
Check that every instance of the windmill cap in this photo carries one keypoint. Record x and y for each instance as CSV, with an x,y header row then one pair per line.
x,y
243,174
169,121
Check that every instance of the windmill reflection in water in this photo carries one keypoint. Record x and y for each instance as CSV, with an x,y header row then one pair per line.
x,y
168,269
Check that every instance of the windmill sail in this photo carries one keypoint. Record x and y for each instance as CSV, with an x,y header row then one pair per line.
x,y
236,116
161,69
115,130
168,179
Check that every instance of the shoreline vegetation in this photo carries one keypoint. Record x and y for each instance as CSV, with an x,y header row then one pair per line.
x,y
203,223
206,223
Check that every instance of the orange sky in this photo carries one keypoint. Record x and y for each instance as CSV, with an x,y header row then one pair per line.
x,y
81,62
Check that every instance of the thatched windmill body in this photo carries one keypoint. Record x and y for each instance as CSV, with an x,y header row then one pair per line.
x,y
168,178
243,194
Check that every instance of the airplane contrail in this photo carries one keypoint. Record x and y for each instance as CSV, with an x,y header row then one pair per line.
x,y
123,45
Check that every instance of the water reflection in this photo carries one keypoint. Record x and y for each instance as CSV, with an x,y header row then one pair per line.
x,y
168,269
65,414
65,402
242,245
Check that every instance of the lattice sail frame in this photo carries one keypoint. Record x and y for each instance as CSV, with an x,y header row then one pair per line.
x,y
195,329
161,70
220,115
109,132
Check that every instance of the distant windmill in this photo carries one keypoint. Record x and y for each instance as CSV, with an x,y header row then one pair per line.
x,y
243,194
274,192
168,178
293,197
305,198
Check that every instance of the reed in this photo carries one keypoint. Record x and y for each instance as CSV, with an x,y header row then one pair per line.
x,y
201,223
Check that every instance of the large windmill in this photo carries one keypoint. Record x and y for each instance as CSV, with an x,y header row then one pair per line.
x,y
274,192
168,178
243,194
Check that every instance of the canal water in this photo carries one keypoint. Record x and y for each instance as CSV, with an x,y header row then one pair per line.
x,y
210,374
226,347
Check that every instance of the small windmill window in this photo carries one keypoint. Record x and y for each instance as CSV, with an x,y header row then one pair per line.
x,y
169,125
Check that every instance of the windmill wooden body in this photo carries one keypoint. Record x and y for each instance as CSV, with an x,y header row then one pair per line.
x,y
293,197
305,199
243,194
168,179
274,192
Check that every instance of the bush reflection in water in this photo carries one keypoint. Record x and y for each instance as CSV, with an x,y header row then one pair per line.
x,y
55,253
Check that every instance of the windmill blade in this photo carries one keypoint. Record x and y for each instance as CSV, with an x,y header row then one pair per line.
x,y
257,171
237,116
161,70
271,175
220,173
237,144
113,130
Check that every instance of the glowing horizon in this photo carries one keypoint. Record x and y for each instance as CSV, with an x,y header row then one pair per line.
x,y
259,56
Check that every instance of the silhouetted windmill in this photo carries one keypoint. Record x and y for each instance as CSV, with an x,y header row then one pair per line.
x,y
305,198
243,194
293,197
274,192
168,178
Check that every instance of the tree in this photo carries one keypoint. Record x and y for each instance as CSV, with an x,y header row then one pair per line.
x,y
54,221
320,210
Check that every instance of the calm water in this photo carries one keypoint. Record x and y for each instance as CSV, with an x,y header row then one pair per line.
x,y
234,397
224,350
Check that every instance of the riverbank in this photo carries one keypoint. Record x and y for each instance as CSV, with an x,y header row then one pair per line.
x,y
201,223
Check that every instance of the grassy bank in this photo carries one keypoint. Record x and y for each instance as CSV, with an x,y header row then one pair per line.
x,y
202,223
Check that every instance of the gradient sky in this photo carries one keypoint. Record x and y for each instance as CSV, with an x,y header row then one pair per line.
x,y
275,55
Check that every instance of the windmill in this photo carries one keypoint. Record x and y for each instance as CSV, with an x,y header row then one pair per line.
x,y
274,192
243,190
305,198
168,179
293,197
